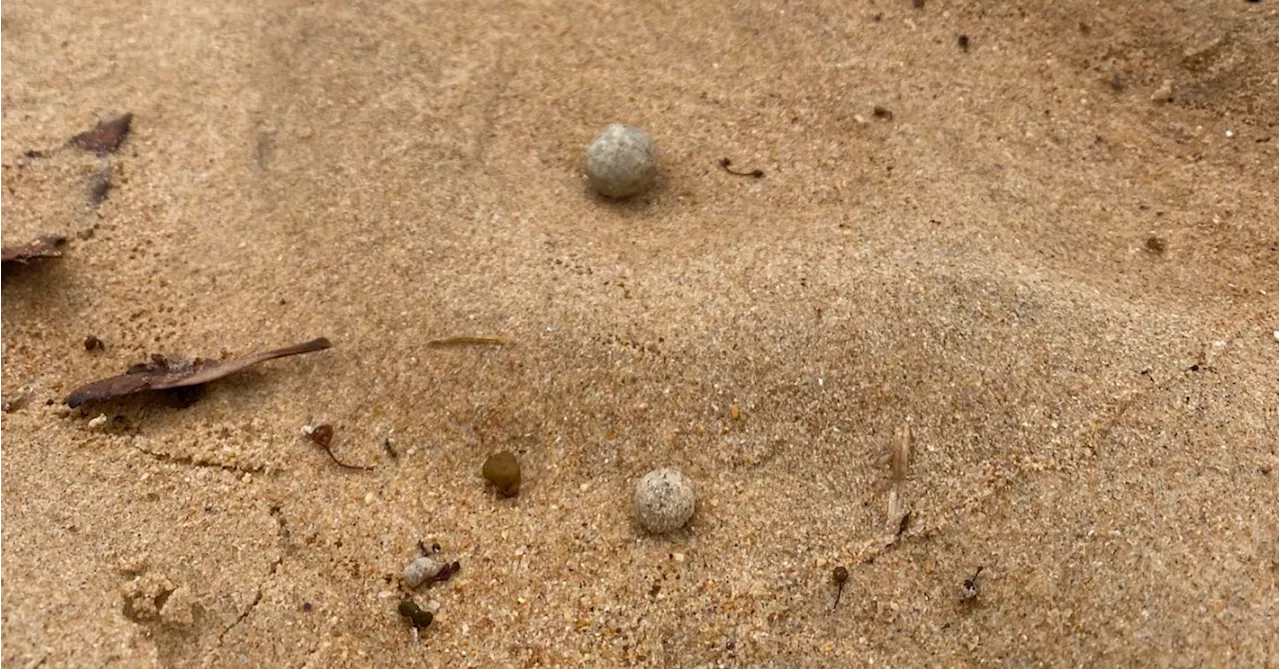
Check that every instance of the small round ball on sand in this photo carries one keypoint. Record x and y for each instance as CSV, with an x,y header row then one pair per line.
x,y
620,161
503,471
664,500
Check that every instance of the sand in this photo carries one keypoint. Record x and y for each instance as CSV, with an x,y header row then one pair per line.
x,y
1094,412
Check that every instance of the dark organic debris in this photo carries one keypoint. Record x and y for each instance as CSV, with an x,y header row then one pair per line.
x,y
92,343
420,619
839,576
99,186
725,163
106,137
1156,245
963,41
882,112
466,341
44,247
969,591
160,373
322,436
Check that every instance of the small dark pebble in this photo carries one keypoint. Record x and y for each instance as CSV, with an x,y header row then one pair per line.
x,y
420,619
963,41
92,343
1156,245
306,607
882,112
1117,83
918,4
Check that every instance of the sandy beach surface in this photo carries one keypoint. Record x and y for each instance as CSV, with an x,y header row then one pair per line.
x,y
1050,250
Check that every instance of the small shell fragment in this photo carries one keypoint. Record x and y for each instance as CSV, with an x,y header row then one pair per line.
x,y
421,570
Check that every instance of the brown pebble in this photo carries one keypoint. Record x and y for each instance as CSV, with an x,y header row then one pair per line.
x,y
1156,245
503,471
92,343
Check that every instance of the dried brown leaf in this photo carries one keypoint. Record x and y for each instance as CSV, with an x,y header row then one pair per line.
x,y
105,137
44,247
161,373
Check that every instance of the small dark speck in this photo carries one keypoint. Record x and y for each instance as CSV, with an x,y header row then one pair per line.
x,y
1117,83
1156,245
882,112
306,607
963,41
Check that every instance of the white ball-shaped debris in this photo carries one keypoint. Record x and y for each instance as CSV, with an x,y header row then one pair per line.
x,y
664,500
420,570
620,161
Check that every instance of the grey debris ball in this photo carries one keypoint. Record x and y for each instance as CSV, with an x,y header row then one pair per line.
x,y
420,570
664,500
620,161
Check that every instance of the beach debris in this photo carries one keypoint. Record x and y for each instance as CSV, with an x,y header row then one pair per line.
x,y
620,161
502,469
1164,93
725,163
969,590
428,568
882,112
322,436
899,515
99,185
105,137
45,246
963,42
422,569
99,422
900,454
1156,245
92,343
735,412
839,576
415,615
466,341
389,446
18,401
664,500
161,373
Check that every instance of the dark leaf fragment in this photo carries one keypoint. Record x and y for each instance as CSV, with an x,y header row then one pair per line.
x,y
44,247
106,137
161,373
